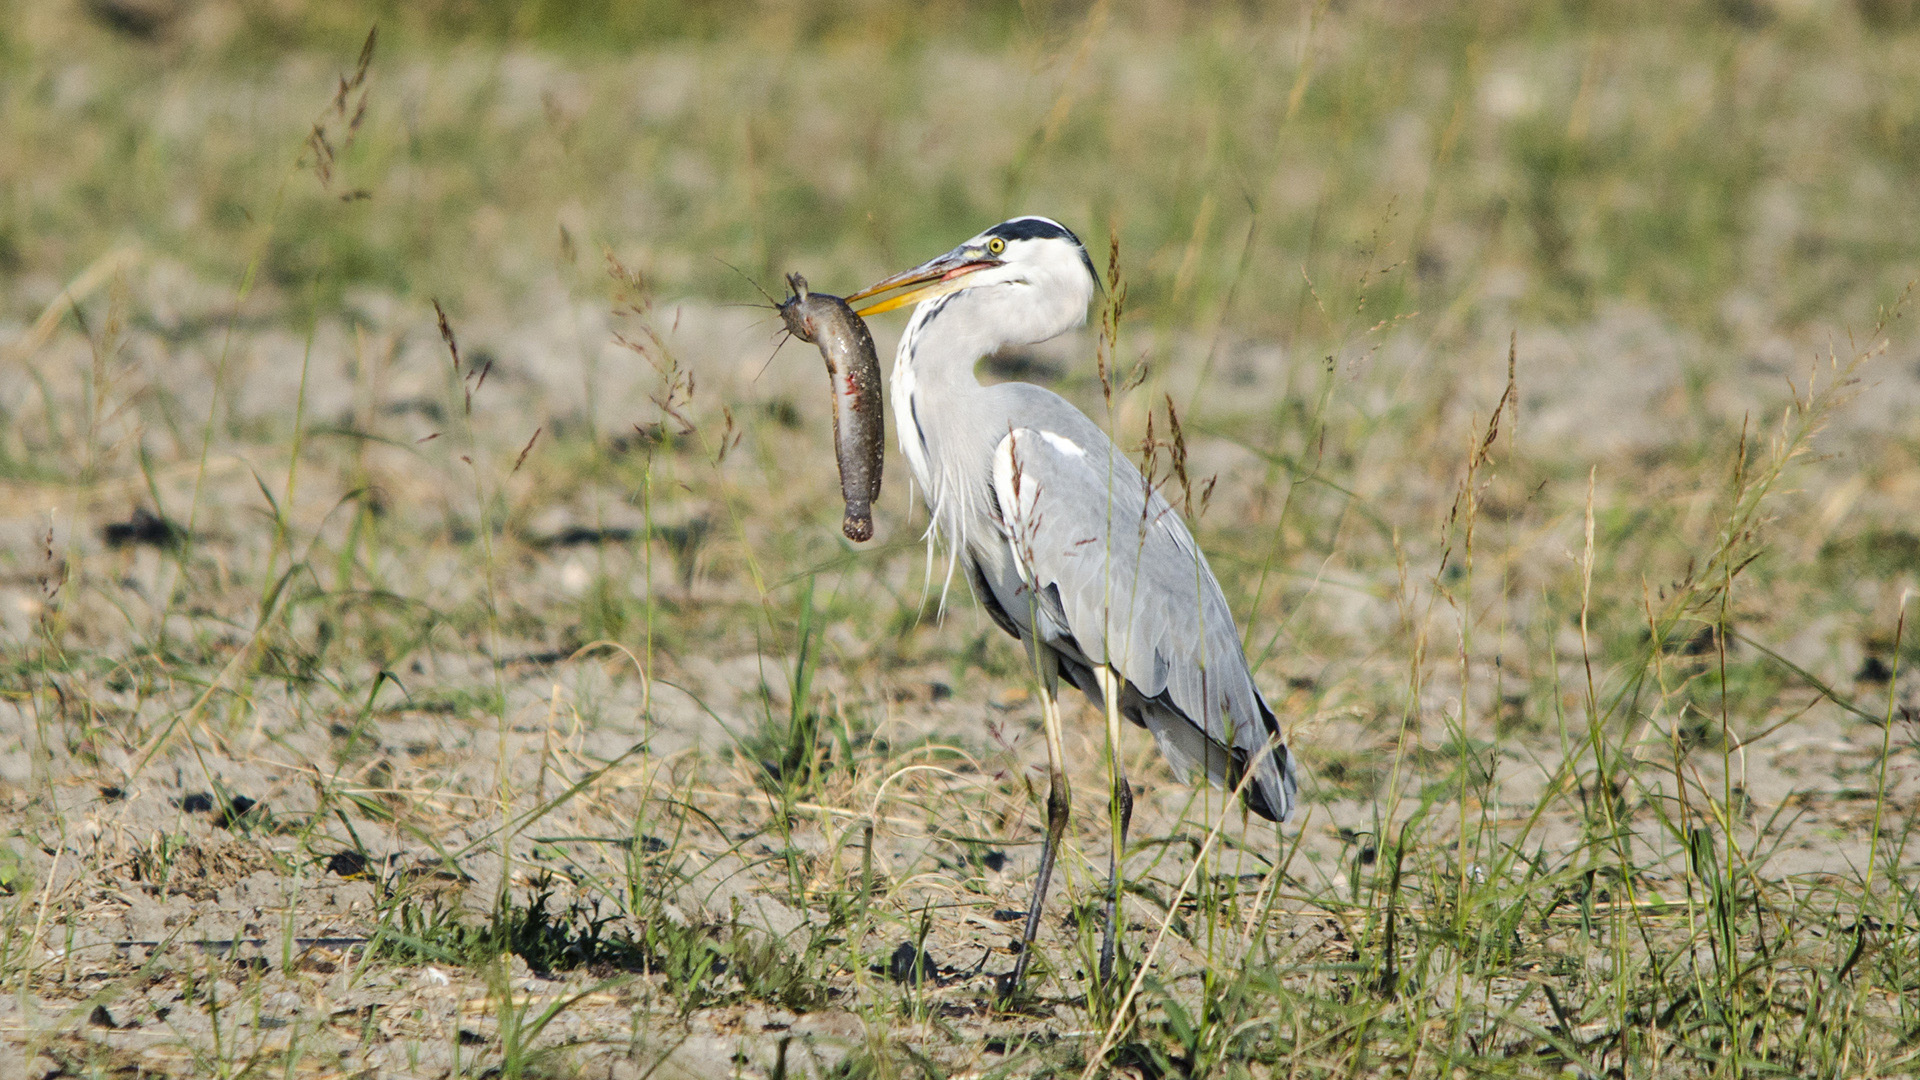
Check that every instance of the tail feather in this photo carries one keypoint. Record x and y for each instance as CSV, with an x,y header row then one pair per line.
x,y
1271,799
1275,789
1274,792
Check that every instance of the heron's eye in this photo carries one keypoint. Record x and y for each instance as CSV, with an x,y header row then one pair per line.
x,y
996,245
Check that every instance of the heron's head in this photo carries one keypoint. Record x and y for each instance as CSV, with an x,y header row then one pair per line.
x,y
1030,277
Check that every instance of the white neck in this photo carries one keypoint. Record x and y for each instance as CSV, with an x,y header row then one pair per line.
x,y
947,422
932,376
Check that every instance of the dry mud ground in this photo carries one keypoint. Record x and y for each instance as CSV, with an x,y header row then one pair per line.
x,y
235,845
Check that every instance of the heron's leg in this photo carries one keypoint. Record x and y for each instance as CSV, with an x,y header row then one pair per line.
x,y
1119,813
1059,801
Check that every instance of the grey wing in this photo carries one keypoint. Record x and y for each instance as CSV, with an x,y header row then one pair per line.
x,y
1111,576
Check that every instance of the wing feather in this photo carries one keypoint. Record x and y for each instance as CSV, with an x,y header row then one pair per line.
x,y
1110,575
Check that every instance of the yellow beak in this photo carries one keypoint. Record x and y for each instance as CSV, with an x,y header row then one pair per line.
x,y
934,278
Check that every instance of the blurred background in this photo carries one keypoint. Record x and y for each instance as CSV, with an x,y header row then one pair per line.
x,y
1733,166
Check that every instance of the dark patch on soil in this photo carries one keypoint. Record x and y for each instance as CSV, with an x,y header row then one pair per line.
x,y
144,527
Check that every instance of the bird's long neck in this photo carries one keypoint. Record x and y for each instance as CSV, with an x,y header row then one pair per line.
x,y
939,410
940,347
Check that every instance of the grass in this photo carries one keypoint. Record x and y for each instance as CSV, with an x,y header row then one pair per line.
x,y
1543,385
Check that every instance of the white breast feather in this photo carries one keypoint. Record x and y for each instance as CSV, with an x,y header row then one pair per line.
x,y
946,496
1019,495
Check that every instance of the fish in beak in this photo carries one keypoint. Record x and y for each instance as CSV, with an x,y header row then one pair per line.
x,y
936,277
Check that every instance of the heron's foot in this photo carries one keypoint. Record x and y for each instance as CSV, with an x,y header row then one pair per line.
x,y
1006,988
1011,990
1012,995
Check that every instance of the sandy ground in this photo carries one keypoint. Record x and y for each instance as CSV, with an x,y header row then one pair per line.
x,y
184,836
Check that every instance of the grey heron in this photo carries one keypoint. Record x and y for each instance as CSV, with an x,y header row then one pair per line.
x,y
1065,543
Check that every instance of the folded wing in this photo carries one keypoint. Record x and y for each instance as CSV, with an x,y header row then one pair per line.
x,y
1110,575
